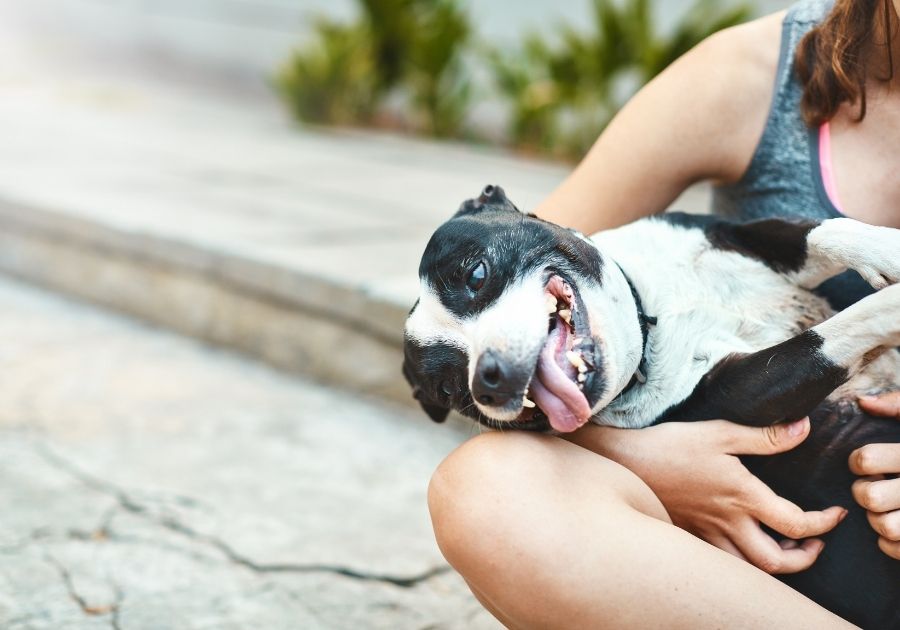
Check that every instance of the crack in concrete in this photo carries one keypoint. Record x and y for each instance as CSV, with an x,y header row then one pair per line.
x,y
87,608
130,505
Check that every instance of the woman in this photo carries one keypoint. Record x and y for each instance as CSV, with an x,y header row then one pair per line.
x,y
793,114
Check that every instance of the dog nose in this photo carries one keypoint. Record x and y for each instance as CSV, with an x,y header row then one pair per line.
x,y
491,383
492,194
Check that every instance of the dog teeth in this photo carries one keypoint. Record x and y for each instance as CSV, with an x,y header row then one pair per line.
x,y
566,315
528,403
582,377
550,303
576,360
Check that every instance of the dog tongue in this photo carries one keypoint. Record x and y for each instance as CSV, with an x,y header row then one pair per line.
x,y
556,394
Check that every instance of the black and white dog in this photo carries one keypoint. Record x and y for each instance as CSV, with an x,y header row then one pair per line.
x,y
524,324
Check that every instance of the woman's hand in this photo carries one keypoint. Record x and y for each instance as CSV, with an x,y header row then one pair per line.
x,y
693,469
880,496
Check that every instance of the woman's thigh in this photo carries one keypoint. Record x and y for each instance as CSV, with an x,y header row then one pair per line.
x,y
548,534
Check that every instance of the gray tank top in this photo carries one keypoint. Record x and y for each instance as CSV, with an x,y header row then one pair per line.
x,y
784,178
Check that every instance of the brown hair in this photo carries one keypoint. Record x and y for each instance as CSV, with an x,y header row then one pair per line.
x,y
832,58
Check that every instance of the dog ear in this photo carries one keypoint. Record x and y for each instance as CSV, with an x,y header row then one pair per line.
x,y
435,412
491,198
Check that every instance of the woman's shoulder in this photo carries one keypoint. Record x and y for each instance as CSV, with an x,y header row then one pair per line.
x,y
744,57
756,43
732,77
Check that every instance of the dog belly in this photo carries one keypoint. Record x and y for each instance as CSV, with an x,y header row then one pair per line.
x,y
852,577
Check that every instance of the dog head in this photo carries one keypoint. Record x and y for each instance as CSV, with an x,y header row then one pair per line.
x,y
520,323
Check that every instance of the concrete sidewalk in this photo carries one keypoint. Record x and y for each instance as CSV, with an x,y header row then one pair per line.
x,y
210,213
148,481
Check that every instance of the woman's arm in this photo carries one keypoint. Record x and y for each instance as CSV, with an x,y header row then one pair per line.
x,y
879,489
700,119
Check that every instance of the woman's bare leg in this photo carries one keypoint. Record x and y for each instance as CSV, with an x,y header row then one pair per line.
x,y
548,534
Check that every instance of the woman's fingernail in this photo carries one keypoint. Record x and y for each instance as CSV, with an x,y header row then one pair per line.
x,y
798,427
867,398
843,515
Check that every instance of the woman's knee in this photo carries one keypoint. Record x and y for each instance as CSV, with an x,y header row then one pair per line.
x,y
466,492
505,484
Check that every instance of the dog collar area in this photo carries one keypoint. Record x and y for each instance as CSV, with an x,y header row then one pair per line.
x,y
644,321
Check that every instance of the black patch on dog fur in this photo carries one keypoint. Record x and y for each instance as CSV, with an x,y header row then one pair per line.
x,y
778,243
510,243
434,373
778,384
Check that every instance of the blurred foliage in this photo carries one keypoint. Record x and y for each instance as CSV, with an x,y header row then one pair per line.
x,y
331,80
525,81
562,96
390,29
412,46
441,89
419,53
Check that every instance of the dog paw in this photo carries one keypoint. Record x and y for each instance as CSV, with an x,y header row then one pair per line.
x,y
877,279
876,255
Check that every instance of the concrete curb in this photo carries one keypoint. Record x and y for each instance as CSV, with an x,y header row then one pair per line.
x,y
291,320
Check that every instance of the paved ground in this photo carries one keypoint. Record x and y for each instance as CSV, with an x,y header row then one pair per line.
x,y
148,481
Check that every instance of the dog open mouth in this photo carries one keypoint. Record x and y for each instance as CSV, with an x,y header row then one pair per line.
x,y
567,362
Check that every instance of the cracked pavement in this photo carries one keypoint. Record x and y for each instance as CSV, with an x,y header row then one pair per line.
x,y
149,481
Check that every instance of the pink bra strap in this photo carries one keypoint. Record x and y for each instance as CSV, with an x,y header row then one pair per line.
x,y
826,166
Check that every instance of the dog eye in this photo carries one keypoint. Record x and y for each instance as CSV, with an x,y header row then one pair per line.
x,y
476,278
448,388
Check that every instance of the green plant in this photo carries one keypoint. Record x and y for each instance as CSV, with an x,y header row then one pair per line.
x,y
413,47
331,79
413,52
523,78
390,28
441,90
591,74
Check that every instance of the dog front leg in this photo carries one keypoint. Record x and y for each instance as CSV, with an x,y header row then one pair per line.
x,y
787,381
810,252
836,245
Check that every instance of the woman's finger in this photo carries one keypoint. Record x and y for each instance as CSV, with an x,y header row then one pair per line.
x,y
787,518
877,496
890,547
884,405
887,524
765,553
738,439
875,459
